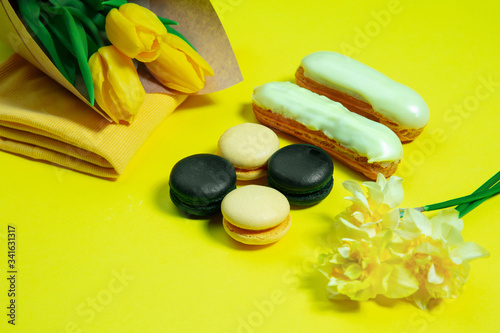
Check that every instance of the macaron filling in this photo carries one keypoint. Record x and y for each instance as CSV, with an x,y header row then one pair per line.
x,y
255,214
265,236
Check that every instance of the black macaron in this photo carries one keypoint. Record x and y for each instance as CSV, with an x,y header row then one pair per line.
x,y
198,183
302,172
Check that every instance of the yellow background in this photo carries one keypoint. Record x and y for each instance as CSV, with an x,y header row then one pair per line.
x,y
101,256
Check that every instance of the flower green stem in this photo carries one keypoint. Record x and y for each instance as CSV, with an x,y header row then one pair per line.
x,y
473,204
465,199
467,207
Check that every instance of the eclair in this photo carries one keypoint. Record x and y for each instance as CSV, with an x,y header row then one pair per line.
x,y
364,90
364,145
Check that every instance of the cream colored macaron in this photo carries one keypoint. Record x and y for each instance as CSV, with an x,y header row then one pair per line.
x,y
248,147
256,214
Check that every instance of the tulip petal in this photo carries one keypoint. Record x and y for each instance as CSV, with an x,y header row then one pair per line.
x,y
122,33
178,43
143,17
173,70
97,72
119,91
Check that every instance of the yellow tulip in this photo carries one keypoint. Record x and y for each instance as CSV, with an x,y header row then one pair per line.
x,y
135,31
118,90
179,67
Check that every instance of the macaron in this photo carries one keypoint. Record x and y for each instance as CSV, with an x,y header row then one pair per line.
x,y
302,172
248,147
198,183
256,215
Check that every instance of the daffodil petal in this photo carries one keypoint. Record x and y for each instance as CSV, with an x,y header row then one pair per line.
x,y
344,228
393,191
427,248
375,192
415,221
344,251
468,251
391,219
399,283
357,193
353,271
433,277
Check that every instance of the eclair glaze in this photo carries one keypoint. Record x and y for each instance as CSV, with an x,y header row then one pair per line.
x,y
387,97
370,139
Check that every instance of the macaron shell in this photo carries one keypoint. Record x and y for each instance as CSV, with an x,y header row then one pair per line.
x,y
200,210
258,237
306,199
255,207
300,168
198,183
202,178
248,145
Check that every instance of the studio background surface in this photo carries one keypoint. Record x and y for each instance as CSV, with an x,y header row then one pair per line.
x,y
101,256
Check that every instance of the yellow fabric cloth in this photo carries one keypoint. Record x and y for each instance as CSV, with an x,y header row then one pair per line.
x,y
41,120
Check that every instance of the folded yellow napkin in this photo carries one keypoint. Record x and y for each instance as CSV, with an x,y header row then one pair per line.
x,y
41,120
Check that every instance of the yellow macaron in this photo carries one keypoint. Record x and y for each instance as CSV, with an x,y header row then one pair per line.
x,y
256,215
248,147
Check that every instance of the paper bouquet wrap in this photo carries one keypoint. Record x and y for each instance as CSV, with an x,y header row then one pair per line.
x,y
45,117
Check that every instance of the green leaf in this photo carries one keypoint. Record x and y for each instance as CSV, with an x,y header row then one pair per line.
x,y
80,51
114,3
166,21
69,3
67,59
94,4
30,10
58,28
99,21
63,44
89,25
92,46
83,38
